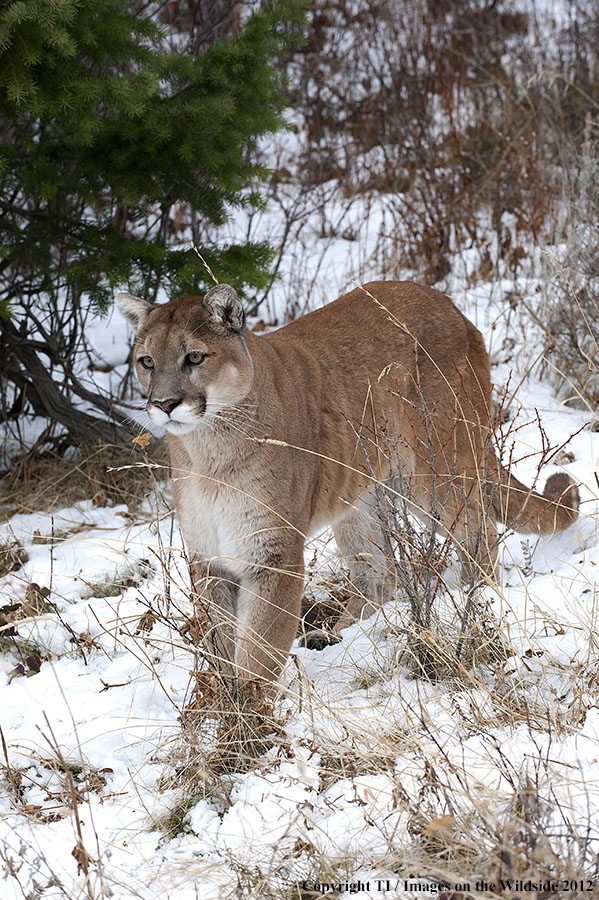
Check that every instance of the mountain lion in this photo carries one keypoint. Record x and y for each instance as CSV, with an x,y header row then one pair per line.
x,y
274,437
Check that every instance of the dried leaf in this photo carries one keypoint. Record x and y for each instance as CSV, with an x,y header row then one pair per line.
x,y
142,440
82,856
34,661
204,692
18,670
146,622
440,823
36,600
32,810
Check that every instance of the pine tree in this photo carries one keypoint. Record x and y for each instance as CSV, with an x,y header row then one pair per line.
x,y
103,132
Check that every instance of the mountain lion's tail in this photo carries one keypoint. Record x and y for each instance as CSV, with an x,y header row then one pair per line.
x,y
524,510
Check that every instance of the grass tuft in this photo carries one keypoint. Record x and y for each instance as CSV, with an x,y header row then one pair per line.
x,y
109,475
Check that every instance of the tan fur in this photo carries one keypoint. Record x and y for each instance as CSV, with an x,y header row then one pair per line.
x,y
275,437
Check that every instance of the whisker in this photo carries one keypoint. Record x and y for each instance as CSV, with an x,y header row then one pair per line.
x,y
231,413
224,405
236,412
232,424
139,425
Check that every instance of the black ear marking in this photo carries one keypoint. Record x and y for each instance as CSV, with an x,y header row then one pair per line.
x,y
224,307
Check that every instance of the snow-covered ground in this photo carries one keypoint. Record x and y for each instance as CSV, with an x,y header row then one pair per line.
x,y
371,761
376,778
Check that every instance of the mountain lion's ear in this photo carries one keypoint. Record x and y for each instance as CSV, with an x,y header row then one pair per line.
x,y
224,307
134,309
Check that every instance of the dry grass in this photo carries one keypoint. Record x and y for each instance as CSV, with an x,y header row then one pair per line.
x,y
442,825
12,556
468,152
447,110
435,820
108,475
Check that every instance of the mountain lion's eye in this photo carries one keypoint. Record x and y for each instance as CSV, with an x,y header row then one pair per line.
x,y
147,362
195,358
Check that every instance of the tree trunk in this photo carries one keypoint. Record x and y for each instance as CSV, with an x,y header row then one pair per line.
x,y
23,367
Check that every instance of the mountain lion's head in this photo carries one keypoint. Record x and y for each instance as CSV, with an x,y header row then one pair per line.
x,y
191,357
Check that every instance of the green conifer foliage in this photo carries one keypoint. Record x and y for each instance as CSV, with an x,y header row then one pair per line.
x,y
103,134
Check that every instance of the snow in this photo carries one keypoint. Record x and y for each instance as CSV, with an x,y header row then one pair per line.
x,y
365,746
115,705
108,698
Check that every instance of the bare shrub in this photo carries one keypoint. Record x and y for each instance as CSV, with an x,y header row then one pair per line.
x,y
570,314
422,104
454,117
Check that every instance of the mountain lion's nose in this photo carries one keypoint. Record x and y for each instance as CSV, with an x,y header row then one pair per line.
x,y
166,405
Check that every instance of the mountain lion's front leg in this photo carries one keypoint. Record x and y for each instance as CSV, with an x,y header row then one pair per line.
x,y
215,613
268,609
